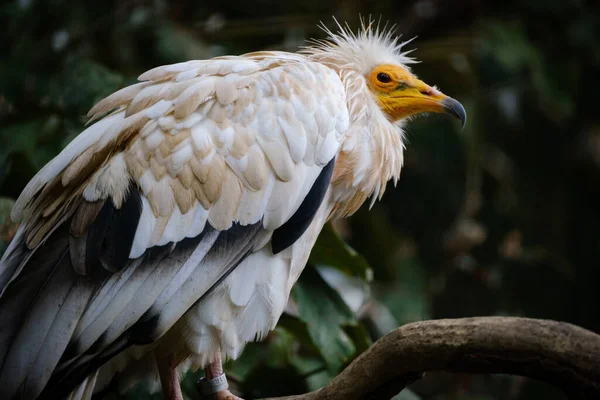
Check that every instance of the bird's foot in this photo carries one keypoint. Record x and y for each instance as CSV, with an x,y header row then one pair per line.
x,y
215,389
214,386
226,395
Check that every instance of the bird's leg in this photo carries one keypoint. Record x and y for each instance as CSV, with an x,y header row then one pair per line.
x,y
215,379
169,379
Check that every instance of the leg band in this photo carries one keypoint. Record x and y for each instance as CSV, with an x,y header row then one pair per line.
x,y
212,386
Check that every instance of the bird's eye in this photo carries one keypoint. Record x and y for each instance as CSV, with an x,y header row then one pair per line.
x,y
383,77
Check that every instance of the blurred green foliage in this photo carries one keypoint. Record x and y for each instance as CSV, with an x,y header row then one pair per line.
x,y
502,218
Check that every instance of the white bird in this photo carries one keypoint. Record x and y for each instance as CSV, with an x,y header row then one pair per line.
x,y
169,233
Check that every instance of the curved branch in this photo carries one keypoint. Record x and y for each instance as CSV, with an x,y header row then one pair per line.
x,y
561,354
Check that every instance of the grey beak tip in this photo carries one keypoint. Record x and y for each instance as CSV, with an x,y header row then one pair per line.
x,y
456,109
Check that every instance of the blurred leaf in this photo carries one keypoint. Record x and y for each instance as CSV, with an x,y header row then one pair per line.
x,y
4,167
254,354
6,206
314,371
280,349
84,83
510,45
324,312
298,328
331,250
359,336
176,44
188,384
260,383
407,297
140,392
25,137
8,229
406,394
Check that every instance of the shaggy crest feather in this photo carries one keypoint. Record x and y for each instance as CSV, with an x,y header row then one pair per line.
x,y
370,46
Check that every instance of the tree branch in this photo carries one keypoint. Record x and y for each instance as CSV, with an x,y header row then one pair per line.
x,y
561,354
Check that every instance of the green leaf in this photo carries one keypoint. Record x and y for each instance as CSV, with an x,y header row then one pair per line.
x,y
254,354
188,384
359,336
324,312
331,250
297,328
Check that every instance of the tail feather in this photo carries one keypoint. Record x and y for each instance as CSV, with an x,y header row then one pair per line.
x,y
38,295
85,390
58,336
14,257
23,286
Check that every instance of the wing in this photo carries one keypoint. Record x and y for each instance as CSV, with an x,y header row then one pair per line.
x,y
153,205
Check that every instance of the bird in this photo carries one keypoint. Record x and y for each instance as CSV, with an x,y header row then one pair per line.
x,y
169,233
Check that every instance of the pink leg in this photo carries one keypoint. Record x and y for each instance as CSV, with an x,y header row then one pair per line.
x,y
169,380
214,370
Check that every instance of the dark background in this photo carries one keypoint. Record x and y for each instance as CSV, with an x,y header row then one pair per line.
x,y
501,218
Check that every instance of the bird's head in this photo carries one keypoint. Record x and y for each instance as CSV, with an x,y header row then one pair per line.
x,y
381,94
374,59
400,94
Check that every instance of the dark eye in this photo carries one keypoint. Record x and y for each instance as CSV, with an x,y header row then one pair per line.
x,y
383,77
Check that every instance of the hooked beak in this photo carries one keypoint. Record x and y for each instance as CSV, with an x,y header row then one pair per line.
x,y
454,108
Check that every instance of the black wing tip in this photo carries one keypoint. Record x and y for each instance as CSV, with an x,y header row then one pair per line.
x,y
287,234
115,249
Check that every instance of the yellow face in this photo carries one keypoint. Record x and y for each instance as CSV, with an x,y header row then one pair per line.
x,y
400,94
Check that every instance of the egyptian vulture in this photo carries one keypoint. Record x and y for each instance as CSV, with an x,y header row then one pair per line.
x,y
169,233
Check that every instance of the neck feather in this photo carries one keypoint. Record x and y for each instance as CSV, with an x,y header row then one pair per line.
x,y
372,152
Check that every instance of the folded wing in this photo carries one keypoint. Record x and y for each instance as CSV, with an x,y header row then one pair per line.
x,y
155,203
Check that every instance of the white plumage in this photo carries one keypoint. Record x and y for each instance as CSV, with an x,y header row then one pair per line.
x,y
189,209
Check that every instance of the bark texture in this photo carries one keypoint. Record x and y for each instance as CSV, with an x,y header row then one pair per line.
x,y
561,354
